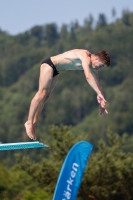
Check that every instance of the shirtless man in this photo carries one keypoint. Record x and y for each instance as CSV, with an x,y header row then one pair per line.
x,y
77,59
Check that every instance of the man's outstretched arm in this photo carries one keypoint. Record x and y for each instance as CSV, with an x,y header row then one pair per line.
x,y
102,109
100,97
91,79
88,74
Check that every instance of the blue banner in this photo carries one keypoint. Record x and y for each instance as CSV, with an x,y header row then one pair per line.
x,y
72,171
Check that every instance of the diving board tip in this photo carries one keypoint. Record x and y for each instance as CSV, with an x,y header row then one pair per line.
x,y
21,145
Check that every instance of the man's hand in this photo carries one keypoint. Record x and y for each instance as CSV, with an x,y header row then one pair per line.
x,y
102,102
102,110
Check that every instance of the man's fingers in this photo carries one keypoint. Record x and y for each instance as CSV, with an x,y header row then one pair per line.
x,y
102,104
106,111
101,101
103,110
100,97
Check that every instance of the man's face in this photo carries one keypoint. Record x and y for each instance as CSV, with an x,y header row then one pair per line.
x,y
97,64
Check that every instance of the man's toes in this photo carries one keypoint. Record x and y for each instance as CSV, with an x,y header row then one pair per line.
x,y
34,138
30,136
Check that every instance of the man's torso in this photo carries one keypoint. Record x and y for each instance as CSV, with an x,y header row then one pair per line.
x,y
70,60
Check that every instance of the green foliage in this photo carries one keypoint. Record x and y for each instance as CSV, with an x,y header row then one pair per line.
x,y
38,195
108,174
51,34
102,21
5,179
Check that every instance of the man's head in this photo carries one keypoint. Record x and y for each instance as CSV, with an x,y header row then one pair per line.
x,y
100,60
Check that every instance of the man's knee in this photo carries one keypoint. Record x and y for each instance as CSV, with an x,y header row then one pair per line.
x,y
41,95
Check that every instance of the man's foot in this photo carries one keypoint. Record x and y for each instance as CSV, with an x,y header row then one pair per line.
x,y
30,130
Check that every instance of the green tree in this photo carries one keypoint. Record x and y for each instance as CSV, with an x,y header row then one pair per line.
x,y
51,33
126,17
102,21
109,173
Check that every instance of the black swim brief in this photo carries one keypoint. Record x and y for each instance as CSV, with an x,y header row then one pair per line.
x,y
49,62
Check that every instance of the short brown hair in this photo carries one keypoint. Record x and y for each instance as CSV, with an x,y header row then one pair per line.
x,y
104,57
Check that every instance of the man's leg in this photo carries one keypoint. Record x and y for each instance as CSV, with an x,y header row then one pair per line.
x,y
45,81
42,103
